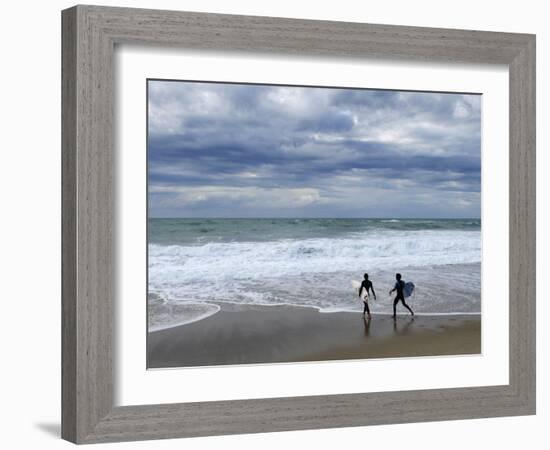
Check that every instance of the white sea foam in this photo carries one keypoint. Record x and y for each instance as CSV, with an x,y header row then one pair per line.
x,y
164,314
444,264
323,255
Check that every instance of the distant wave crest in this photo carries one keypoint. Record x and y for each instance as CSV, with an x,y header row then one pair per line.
x,y
213,261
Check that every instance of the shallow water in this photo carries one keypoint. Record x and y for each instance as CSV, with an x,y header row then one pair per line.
x,y
194,263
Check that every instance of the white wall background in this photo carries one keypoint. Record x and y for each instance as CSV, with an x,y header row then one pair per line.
x,y
30,222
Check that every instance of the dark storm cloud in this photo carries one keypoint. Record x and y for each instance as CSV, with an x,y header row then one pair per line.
x,y
246,150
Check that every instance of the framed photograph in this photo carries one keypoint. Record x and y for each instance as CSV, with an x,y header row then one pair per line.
x,y
335,219
260,215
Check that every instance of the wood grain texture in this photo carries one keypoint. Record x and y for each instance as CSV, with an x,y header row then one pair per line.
x,y
523,224
68,226
89,36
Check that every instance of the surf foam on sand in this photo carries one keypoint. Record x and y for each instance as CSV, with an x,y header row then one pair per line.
x,y
194,263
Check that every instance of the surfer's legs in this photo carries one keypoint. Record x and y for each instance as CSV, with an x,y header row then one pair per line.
x,y
407,306
397,299
366,308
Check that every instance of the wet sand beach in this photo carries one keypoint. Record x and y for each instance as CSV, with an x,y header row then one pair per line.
x,y
245,334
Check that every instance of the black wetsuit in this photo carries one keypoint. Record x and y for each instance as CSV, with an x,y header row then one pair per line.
x,y
399,286
366,284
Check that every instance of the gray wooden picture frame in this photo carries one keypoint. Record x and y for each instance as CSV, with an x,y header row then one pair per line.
x,y
89,37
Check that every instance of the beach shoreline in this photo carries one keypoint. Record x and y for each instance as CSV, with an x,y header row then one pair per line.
x,y
254,334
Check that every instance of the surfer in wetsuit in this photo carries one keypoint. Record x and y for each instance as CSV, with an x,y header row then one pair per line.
x,y
399,285
367,285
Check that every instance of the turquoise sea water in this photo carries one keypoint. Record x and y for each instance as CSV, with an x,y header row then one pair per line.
x,y
193,263
200,231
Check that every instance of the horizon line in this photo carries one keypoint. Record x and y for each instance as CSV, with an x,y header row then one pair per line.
x,y
313,218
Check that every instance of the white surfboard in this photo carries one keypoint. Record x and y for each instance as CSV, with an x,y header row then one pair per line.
x,y
356,286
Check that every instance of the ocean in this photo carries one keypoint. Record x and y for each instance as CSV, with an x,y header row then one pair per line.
x,y
194,263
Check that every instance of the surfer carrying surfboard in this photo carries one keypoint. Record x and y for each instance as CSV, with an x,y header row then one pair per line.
x,y
367,285
399,286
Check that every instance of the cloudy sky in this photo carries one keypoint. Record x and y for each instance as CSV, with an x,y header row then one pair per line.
x,y
223,150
